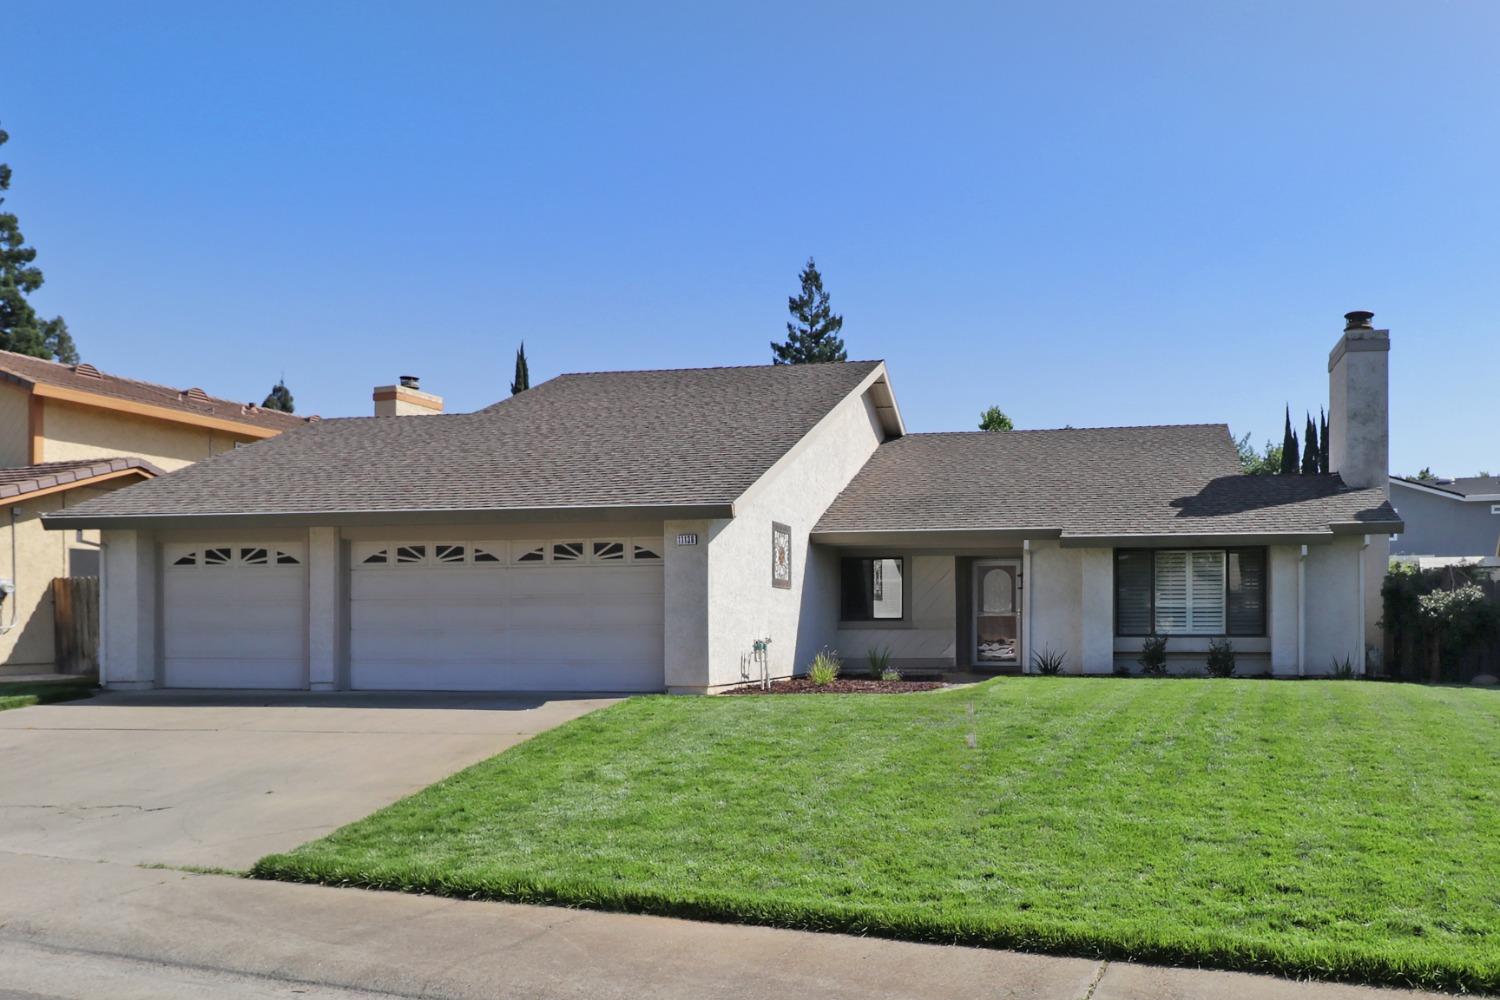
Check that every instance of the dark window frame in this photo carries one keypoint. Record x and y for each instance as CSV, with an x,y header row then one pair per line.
x,y
870,617
1265,601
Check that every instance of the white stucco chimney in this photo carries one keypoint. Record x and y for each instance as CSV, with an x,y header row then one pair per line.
x,y
406,399
1359,404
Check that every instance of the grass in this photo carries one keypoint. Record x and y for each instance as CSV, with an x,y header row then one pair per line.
x,y
21,694
1320,829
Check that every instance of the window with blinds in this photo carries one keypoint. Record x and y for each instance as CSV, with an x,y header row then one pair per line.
x,y
1190,591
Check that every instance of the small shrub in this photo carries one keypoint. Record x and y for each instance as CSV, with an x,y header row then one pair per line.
x,y
1047,662
1122,669
1342,670
880,660
824,669
1153,658
890,674
1220,658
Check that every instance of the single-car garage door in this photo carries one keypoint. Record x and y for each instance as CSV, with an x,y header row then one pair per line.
x,y
563,614
234,616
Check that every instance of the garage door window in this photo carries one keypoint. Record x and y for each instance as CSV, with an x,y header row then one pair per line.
x,y
236,556
552,552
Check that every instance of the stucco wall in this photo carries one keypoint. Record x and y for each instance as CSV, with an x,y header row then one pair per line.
x,y
1439,526
1333,605
1054,590
743,606
40,556
76,432
928,636
15,435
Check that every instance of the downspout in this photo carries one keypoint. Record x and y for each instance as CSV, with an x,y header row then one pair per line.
x,y
11,598
103,605
1360,604
1025,606
1302,612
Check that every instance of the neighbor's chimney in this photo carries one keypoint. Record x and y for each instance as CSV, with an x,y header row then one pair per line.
x,y
1359,404
406,399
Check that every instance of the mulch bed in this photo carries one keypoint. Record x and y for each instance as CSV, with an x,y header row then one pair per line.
x,y
844,685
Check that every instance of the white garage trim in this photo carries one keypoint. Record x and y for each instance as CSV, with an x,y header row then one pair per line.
x,y
234,615
572,613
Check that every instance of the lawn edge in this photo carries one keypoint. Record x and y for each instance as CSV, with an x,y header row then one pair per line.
x,y
1334,964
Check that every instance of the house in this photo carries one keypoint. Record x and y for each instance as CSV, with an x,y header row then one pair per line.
x,y
69,433
691,530
1448,520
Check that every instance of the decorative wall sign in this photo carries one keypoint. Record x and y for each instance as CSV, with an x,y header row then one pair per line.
x,y
781,556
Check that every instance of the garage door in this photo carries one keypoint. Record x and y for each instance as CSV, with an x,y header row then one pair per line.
x,y
565,614
234,616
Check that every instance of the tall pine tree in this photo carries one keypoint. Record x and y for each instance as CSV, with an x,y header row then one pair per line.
x,y
280,398
1322,441
1289,454
813,334
522,381
1310,448
21,330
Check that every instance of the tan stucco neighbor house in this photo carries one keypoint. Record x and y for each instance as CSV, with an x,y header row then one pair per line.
x,y
69,433
692,530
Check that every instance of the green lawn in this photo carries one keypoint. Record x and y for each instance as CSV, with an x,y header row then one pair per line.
x,y
1331,829
20,694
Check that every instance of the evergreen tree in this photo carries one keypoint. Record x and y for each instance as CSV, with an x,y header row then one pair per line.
x,y
813,334
280,398
1322,441
1310,448
21,330
522,381
994,419
1253,463
1290,462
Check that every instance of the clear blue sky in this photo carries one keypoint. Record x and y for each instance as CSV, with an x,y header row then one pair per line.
x,y
1087,213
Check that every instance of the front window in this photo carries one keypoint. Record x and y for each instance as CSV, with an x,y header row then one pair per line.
x,y
872,589
1190,591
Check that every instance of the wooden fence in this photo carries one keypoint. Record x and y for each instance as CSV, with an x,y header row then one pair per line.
x,y
75,622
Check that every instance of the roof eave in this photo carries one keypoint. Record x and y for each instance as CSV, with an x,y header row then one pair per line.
x,y
64,520
35,494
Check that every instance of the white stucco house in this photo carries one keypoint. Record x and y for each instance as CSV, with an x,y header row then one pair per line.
x,y
688,530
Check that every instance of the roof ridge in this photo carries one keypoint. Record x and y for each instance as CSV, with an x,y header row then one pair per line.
x,y
708,368
1058,430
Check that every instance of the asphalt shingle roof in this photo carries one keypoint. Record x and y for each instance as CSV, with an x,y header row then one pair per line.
x,y
24,479
1098,481
31,371
610,439
1463,487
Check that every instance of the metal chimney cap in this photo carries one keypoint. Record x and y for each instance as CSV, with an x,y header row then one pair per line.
x,y
1359,319
411,382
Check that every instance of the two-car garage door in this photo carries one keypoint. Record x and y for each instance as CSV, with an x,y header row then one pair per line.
x,y
564,614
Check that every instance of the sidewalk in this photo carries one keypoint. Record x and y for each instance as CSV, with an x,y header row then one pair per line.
x,y
157,933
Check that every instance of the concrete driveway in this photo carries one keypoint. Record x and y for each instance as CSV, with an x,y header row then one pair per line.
x,y
220,780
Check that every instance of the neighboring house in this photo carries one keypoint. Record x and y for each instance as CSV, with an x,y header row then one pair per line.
x,y
69,433
690,530
1448,518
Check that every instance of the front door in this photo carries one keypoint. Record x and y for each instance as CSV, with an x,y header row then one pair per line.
x,y
997,612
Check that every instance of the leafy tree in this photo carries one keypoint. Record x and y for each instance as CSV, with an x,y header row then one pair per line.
x,y
813,334
1254,463
1289,454
1322,441
522,381
1425,476
1310,448
280,398
994,419
21,330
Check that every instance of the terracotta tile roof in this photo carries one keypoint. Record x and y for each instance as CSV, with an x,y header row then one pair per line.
x,y
687,437
1181,480
19,481
85,378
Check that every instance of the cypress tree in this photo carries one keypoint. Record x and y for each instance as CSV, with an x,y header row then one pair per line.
x,y
522,381
1289,454
1323,442
1310,448
280,398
